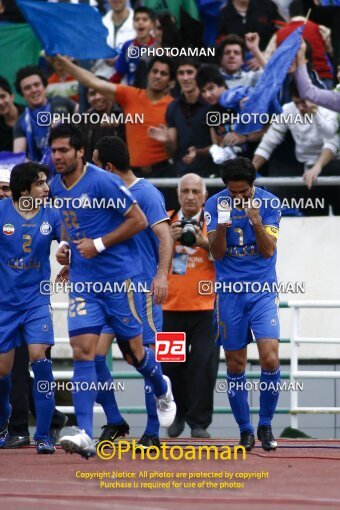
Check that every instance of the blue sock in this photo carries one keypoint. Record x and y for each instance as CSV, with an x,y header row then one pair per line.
x,y
5,407
43,395
238,399
106,398
269,395
84,399
152,424
151,370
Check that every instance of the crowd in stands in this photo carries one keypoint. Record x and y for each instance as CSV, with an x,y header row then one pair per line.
x,y
175,95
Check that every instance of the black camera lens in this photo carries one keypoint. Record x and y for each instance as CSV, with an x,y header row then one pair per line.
x,y
188,237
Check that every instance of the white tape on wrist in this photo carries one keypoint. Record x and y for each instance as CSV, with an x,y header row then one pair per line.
x,y
99,245
223,217
62,244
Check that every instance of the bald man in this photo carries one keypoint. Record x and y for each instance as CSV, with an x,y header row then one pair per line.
x,y
189,308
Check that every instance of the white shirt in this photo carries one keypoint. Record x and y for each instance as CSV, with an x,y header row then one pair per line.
x,y
310,138
125,33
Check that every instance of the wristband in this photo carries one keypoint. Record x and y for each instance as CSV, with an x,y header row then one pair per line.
x,y
62,243
99,245
224,207
223,217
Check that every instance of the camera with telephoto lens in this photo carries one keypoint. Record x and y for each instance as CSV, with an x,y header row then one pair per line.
x,y
188,237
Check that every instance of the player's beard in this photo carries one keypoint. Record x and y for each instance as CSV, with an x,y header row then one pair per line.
x,y
70,169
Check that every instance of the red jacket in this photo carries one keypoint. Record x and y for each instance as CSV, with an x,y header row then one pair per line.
x,y
311,34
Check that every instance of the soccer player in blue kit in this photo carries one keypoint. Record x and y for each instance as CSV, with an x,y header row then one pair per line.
x,y
27,231
155,247
102,251
242,241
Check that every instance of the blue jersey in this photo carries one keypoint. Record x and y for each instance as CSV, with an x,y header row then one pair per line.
x,y
25,250
242,262
92,207
151,201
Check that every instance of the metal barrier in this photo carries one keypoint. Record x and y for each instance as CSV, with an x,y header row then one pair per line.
x,y
261,181
293,375
296,340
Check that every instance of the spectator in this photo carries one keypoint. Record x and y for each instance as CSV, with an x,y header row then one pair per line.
x,y
317,36
128,60
212,87
9,113
187,135
167,36
119,22
10,12
242,16
284,95
148,156
32,128
186,310
104,107
60,83
316,143
232,53
326,98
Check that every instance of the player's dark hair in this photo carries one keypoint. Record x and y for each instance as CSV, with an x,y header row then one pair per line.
x,y
4,84
163,60
209,73
112,149
144,10
70,131
24,175
229,40
238,169
25,72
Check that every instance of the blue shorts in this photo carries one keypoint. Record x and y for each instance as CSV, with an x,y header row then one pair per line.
x,y
237,316
33,326
152,318
88,312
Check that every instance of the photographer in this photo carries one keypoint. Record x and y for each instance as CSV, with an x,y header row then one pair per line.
x,y
189,309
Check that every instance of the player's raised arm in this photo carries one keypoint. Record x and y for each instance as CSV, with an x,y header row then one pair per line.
x,y
87,78
266,243
217,238
135,221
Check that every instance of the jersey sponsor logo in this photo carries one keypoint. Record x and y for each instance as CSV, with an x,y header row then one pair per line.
x,y
207,217
8,229
170,346
45,228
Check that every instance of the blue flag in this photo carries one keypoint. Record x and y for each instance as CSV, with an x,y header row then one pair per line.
x,y
75,30
264,96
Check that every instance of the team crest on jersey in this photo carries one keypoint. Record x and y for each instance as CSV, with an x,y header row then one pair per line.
x,y
207,217
45,228
8,229
84,200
